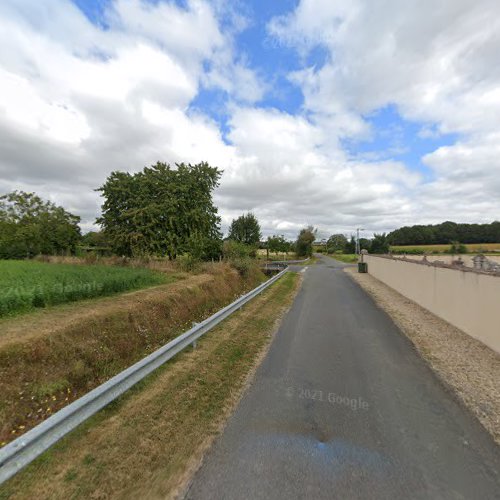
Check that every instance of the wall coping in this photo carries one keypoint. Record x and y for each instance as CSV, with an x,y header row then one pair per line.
x,y
435,265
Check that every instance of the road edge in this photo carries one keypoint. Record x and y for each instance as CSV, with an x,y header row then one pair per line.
x,y
466,391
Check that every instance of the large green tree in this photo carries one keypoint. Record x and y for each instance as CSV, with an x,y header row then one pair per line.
x,y
30,226
336,243
245,229
305,239
162,211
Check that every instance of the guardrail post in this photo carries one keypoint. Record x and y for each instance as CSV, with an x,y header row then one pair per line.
x,y
195,343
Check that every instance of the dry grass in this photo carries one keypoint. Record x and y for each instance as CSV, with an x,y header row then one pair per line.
x,y
464,364
49,359
148,443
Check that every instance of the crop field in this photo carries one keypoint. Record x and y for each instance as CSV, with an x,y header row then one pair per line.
x,y
27,285
471,247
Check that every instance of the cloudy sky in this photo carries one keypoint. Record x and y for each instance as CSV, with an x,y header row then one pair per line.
x,y
336,113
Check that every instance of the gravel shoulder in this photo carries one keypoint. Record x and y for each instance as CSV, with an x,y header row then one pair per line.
x,y
469,368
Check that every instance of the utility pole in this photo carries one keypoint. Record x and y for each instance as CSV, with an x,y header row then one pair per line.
x,y
358,249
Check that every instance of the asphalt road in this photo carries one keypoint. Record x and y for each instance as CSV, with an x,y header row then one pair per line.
x,y
343,407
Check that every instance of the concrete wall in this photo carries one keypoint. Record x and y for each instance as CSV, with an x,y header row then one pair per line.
x,y
468,300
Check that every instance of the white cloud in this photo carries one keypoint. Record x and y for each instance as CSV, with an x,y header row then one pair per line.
x,y
78,100
439,63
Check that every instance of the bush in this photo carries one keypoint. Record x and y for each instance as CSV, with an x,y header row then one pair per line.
x,y
457,248
243,265
234,250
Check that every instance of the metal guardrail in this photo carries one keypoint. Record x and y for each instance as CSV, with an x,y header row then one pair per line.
x,y
23,450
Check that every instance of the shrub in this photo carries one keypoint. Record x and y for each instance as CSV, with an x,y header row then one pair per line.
x,y
457,248
235,250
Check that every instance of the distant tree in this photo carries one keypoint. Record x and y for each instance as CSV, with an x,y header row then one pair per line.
x,y
365,244
277,244
245,229
379,244
336,243
305,239
445,233
30,226
350,248
162,211
95,239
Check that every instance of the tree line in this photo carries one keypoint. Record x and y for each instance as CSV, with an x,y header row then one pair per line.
x,y
445,233
338,243
30,226
169,211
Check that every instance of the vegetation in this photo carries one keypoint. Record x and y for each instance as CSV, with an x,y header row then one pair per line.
x,y
379,244
336,243
347,258
30,226
457,248
240,256
26,285
87,343
245,229
162,211
277,244
305,240
445,233
138,446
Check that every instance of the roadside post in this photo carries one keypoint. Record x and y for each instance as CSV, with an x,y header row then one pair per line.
x,y
362,266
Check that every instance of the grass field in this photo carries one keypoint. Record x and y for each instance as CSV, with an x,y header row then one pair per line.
x,y
27,285
471,248
348,258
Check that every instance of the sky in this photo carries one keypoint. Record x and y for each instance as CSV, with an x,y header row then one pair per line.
x,y
333,113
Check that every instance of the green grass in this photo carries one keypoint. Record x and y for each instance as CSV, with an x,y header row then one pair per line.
x,y
348,258
27,285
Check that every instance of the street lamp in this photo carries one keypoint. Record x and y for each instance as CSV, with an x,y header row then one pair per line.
x,y
358,250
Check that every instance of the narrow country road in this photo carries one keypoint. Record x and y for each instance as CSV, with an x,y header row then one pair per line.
x,y
342,407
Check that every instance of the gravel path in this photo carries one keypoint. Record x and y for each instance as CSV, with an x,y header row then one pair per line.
x,y
467,366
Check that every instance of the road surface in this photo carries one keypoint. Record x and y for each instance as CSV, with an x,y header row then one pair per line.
x,y
343,407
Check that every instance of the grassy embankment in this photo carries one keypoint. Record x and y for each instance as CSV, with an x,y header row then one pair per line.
x,y
51,356
148,443
27,285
